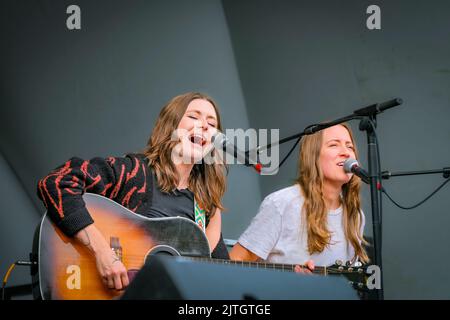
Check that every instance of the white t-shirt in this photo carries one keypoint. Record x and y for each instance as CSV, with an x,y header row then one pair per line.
x,y
276,233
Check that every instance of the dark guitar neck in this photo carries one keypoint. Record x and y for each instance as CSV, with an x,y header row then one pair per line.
x,y
263,265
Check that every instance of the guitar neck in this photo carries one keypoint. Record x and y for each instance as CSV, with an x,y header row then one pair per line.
x,y
261,265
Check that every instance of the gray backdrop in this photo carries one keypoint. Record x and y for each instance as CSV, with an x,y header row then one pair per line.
x,y
268,64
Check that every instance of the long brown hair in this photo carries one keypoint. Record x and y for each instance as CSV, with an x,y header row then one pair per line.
x,y
206,181
310,179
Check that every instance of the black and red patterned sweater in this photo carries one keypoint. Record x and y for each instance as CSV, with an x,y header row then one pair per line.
x,y
126,180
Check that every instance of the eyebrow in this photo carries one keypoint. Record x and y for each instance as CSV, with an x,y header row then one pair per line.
x,y
198,112
337,140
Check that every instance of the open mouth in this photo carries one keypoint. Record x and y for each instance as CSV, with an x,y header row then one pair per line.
x,y
197,139
340,164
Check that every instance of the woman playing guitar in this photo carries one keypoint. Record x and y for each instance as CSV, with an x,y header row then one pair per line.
x,y
170,178
318,220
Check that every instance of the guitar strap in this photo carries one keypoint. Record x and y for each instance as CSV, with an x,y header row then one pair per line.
x,y
199,213
200,216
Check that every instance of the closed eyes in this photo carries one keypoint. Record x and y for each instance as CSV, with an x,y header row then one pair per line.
x,y
209,123
348,146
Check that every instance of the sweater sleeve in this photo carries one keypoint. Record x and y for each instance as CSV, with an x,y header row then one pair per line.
x,y
62,189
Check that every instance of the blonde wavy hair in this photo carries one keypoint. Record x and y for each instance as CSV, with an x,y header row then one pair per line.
x,y
310,179
206,181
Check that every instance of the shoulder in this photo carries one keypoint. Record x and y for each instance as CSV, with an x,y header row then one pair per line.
x,y
127,160
285,197
130,161
127,168
286,194
363,217
136,157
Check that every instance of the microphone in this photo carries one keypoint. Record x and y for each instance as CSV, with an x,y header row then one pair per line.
x,y
220,141
378,107
352,166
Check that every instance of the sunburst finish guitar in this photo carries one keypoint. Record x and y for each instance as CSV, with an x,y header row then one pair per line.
x,y
67,270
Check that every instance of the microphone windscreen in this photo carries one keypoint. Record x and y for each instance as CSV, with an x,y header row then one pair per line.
x,y
218,139
349,163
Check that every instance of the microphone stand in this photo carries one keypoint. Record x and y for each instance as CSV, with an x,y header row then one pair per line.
x,y
374,168
387,174
367,115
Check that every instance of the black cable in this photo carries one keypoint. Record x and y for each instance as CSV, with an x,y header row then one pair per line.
x,y
289,153
380,196
285,158
295,144
418,204
384,190
380,178
298,140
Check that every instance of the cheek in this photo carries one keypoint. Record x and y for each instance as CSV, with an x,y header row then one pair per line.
x,y
186,123
327,170
326,164
182,124
328,161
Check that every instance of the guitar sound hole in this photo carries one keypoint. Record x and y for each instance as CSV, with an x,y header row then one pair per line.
x,y
162,250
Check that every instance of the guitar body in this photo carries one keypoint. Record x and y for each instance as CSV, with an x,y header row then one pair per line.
x,y
67,270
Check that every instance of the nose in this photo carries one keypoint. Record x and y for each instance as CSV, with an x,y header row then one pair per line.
x,y
205,125
345,152
201,124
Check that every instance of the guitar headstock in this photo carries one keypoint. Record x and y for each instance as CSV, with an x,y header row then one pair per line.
x,y
356,272
347,268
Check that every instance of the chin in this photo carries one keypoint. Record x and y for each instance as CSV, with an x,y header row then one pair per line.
x,y
347,180
196,157
343,180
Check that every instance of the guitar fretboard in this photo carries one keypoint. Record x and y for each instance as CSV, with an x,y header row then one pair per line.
x,y
263,265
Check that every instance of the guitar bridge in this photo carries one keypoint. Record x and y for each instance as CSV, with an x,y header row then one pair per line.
x,y
114,243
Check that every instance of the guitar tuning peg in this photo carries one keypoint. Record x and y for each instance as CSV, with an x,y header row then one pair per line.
x,y
348,264
358,264
339,262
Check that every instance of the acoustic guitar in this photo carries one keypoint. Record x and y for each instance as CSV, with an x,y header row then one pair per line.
x,y
67,270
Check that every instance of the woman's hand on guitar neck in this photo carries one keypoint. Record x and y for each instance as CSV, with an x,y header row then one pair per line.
x,y
111,269
306,268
